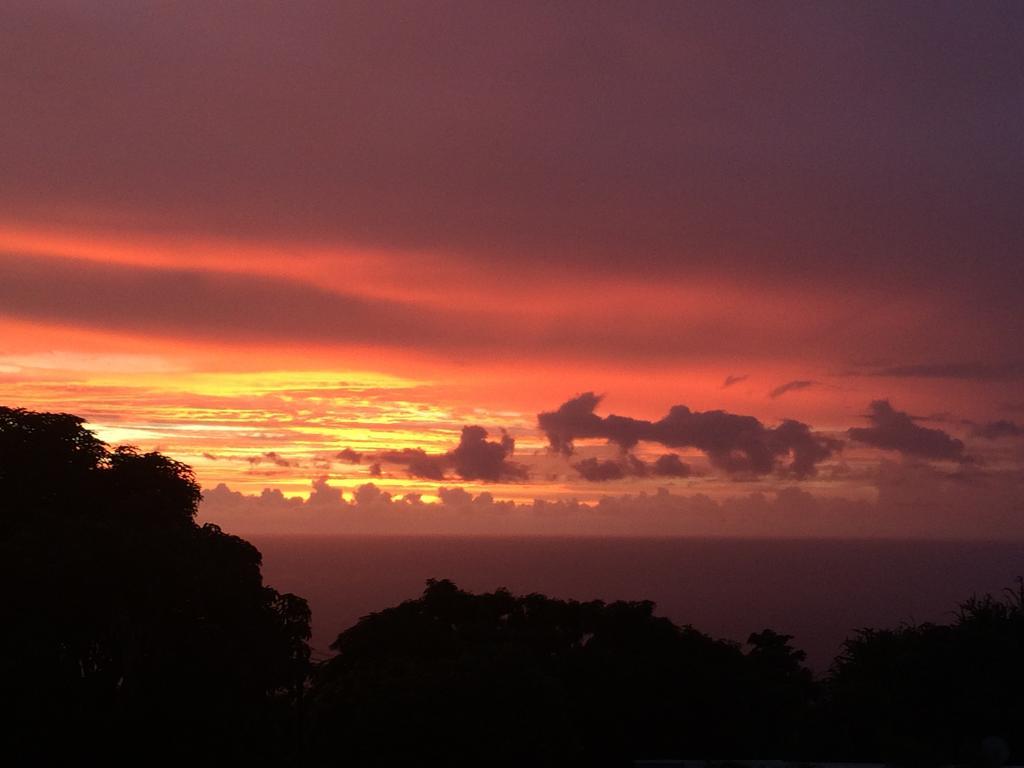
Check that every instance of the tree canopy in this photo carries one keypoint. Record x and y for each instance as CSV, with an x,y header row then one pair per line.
x,y
119,607
455,678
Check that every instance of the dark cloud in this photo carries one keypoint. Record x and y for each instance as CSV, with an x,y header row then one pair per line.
x,y
730,380
349,456
996,429
273,457
597,471
739,445
973,371
670,465
278,459
574,419
375,469
896,431
476,458
790,386
210,456
808,448
628,465
417,462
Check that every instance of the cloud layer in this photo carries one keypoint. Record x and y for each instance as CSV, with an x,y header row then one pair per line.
x,y
909,500
670,137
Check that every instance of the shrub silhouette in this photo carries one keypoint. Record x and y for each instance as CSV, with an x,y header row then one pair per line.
x,y
928,695
455,678
120,610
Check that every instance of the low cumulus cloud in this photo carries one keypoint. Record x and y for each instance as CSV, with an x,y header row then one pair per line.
x,y
894,430
628,465
349,456
477,458
417,462
598,471
909,500
670,465
738,445
474,458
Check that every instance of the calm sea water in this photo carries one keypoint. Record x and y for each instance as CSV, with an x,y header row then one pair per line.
x,y
817,591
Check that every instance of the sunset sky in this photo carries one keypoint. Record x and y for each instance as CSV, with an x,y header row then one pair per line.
x,y
302,246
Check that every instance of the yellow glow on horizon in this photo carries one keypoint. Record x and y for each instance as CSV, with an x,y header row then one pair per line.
x,y
264,382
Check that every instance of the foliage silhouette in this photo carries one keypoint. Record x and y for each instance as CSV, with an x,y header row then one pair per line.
x,y
929,695
455,678
122,615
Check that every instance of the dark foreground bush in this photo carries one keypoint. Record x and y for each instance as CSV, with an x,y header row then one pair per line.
x,y
454,678
931,694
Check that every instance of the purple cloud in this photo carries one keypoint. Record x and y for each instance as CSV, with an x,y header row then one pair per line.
x,y
736,444
474,458
896,431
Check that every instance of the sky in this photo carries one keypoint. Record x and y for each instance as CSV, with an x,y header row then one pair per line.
x,y
662,268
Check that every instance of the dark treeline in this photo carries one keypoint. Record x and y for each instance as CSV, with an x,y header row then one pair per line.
x,y
128,626
496,679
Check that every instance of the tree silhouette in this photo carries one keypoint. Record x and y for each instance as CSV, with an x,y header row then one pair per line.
x,y
455,678
120,609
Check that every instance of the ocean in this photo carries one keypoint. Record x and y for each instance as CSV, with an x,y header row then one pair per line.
x,y
819,591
